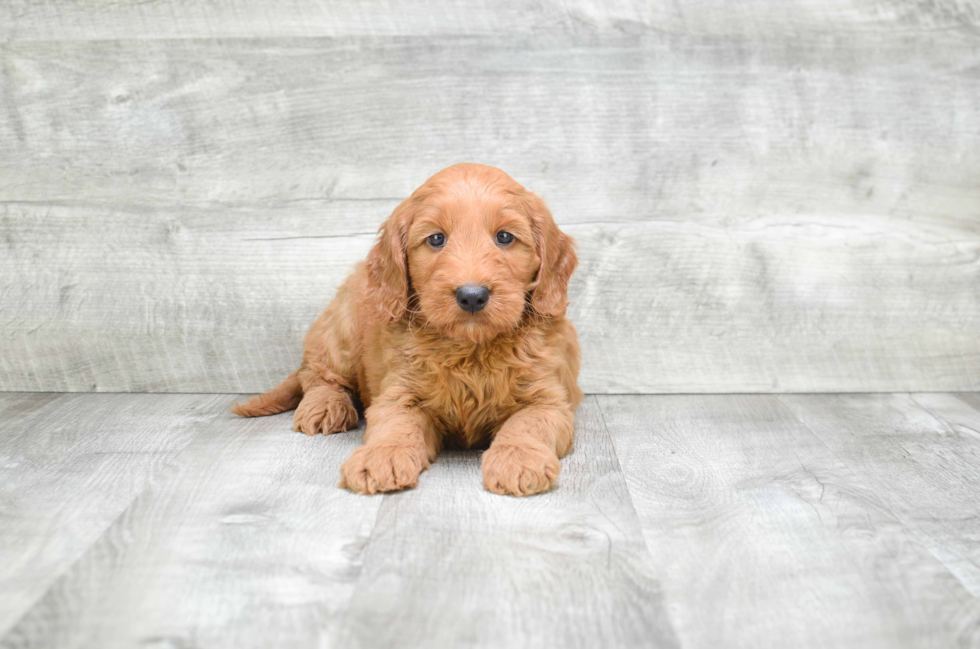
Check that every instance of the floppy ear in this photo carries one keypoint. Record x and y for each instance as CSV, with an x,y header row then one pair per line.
x,y
387,265
549,295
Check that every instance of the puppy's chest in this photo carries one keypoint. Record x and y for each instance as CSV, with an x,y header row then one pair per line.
x,y
472,399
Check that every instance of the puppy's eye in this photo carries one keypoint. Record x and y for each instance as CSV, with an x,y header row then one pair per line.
x,y
437,240
504,238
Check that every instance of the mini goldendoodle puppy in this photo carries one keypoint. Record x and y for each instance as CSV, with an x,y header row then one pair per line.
x,y
454,331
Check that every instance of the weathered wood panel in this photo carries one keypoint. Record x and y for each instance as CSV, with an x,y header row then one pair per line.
x,y
247,543
921,454
694,521
164,301
158,301
70,465
107,19
763,536
783,214
450,565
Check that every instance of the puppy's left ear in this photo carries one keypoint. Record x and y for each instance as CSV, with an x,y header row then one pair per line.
x,y
549,295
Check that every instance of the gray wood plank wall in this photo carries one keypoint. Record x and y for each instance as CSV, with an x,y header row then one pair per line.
x,y
769,196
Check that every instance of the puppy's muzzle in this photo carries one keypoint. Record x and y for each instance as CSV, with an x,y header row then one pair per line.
x,y
472,297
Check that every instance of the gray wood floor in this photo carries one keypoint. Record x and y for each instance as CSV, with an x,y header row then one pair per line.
x,y
688,521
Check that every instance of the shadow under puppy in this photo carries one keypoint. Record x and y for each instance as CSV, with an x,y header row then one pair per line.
x,y
453,330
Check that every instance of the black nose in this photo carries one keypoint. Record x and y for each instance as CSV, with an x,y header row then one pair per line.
x,y
472,298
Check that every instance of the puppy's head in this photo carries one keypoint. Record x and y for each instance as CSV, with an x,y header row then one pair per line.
x,y
467,253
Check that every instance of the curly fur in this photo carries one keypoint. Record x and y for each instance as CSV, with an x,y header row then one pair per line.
x,y
429,373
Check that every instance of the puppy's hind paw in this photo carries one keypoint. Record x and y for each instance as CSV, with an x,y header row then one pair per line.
x,y
325,409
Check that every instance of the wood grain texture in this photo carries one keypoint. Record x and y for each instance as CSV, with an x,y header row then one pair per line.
x,y
789,213
921,454
71,464
451,565
761,532
249,542
107,19
694,521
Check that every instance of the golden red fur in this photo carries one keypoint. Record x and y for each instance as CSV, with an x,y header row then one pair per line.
x,y
429,372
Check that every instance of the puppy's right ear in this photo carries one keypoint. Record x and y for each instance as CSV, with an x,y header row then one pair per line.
x,y
387,265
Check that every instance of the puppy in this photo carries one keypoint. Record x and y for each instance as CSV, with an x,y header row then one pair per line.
x,y
453,331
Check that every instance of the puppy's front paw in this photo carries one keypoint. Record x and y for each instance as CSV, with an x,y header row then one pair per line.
x,y
521,469
325,409
374,469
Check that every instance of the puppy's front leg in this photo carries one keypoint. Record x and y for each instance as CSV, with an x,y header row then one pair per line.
x,y
399,444
523,458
